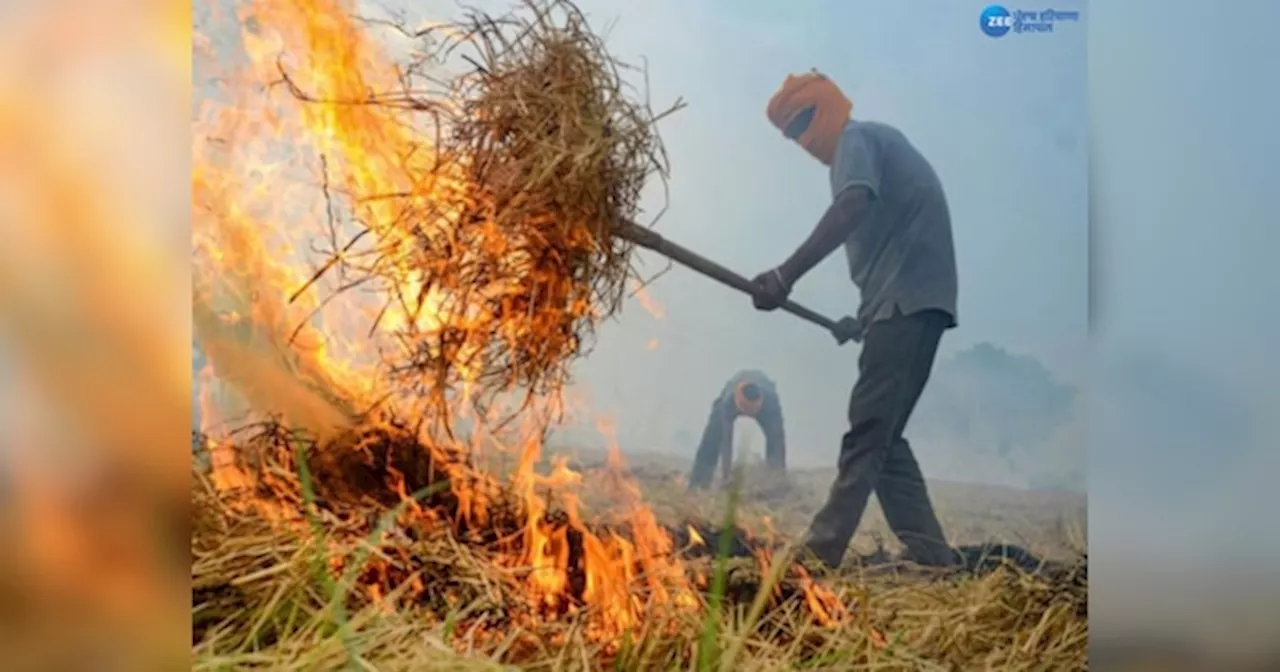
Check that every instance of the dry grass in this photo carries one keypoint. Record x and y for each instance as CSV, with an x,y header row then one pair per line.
x,y
324,595
504,253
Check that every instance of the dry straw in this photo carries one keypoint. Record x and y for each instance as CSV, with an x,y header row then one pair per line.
x,y
360,587
541,151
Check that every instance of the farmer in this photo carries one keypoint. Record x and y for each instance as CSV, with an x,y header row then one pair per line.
x,y
751,394
889,212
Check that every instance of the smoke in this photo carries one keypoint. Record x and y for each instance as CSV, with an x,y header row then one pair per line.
x,y
992,416
745,197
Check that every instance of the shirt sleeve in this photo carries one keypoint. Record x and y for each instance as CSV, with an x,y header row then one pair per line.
x,y
857,163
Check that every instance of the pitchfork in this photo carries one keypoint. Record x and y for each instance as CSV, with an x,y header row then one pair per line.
x,y
844,330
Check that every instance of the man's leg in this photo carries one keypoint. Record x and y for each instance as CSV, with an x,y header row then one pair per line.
x,y
897,355
775,441
775,455
704,461
905,500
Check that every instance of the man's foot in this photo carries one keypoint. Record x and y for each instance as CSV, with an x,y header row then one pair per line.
x,y
985,558
935,556
813,563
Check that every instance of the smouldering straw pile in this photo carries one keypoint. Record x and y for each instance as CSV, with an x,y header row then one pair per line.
x,y
391,492
504,258
392,585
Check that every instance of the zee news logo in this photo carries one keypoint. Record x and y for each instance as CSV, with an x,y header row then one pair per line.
x,y
997,21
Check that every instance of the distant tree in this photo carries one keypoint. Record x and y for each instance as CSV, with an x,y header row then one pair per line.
x,y
991,400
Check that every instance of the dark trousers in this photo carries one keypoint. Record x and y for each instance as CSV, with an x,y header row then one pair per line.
x,y
716,446
897,356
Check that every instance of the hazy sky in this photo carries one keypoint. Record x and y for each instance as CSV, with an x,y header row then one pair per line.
x,y
1002,121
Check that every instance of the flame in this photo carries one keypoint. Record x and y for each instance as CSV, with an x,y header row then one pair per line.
x,y
826,608
646,300
612,564
267,170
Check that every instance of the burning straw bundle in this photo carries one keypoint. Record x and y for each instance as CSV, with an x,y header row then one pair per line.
x,y
505,255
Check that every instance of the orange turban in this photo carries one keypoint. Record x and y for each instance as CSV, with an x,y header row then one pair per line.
x,y
831,112
745,404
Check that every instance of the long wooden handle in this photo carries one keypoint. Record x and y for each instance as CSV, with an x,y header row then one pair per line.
x,y
651,240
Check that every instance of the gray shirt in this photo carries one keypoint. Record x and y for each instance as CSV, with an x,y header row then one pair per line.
x,y
901,256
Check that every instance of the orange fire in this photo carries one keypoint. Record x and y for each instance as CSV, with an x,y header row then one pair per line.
x,y
255,211
267,167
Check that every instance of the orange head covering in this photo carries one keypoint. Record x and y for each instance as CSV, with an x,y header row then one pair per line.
x,y
747,397
831,110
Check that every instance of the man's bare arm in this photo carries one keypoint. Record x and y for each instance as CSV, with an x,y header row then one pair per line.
x,y
831,232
